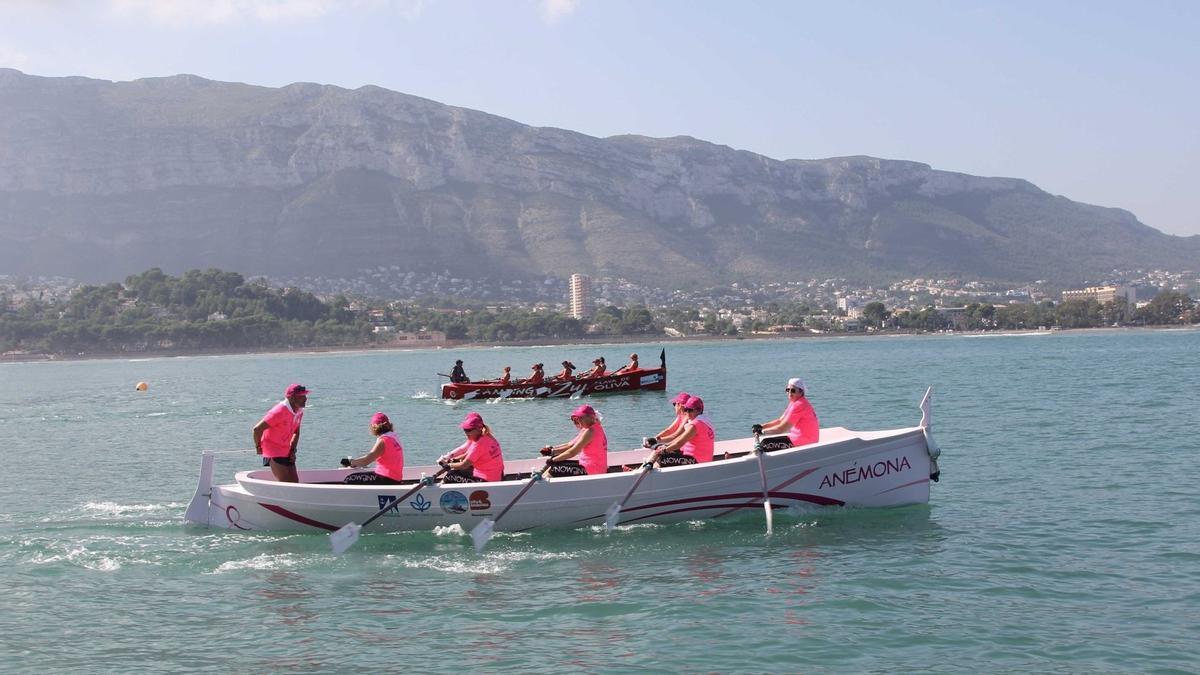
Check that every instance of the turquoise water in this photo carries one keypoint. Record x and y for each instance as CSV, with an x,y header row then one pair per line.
x,y
1064,535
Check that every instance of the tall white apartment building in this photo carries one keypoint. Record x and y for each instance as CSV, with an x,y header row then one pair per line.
x,y
581,296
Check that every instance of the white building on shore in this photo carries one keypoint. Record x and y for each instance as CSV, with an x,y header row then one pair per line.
x,y
581,296
1102,294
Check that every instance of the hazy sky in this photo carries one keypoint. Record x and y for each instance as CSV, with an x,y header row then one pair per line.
x,y
1096,101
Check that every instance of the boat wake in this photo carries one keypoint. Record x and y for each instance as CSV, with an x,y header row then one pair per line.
x,y
469,563
80,556
115,510
265,561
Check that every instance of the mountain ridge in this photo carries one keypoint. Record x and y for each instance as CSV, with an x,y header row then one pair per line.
x,y
100,179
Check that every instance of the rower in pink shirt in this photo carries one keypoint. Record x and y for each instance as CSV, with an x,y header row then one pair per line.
x,y
799,419
277,434
477,460
694,444
584,455
387,453
676,425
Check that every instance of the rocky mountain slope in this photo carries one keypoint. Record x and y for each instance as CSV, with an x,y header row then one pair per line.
x,y
101,179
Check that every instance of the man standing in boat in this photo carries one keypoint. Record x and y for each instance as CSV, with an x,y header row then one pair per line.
x,y
458,374
799,419
278,433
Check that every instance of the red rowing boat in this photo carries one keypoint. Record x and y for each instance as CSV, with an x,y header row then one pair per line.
x,y
642,379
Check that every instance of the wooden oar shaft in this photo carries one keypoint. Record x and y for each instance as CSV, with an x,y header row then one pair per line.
x,y
762,473
532,479
645,471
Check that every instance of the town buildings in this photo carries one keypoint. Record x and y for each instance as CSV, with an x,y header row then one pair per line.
x,y
1102,294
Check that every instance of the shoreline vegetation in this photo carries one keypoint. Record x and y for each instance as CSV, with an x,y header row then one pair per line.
x,y
154,315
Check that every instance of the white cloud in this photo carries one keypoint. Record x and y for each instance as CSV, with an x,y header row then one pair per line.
x,y
554,11
193,12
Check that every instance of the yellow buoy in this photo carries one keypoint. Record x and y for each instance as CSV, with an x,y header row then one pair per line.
x,y
142,386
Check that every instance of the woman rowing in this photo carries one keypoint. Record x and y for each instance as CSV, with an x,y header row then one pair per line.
x,y
387,453
566,372
694,444
596,370
799,419
477,460
506,377
536,376
629,367
584,455
674,427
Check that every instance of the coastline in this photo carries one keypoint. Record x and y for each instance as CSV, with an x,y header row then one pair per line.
x,y
598,340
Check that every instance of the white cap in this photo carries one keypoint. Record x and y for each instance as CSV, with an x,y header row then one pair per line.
x,y
797,383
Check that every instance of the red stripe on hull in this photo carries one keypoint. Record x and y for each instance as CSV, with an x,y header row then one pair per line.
x,y
297,517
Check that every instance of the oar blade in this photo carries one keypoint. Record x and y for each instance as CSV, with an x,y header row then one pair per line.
x,y
612,516
770,516
344,537
481,533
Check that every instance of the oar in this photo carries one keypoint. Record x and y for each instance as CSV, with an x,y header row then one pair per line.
x,y
613,513
345,536
482,532
762,472
445,375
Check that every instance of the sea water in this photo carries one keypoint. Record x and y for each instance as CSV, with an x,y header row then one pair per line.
x,y
1064,535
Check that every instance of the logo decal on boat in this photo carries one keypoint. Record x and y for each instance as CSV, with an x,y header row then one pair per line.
x,y
454,502
480,501
776,443
234,517
420,503
614,384
384,500
856,474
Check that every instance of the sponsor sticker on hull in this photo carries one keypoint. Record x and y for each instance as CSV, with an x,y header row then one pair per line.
x,y
480,502
454,502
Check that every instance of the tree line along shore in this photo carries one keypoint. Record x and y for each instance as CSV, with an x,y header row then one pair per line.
x,y
214,311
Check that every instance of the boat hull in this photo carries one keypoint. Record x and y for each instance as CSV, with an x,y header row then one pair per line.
x,y
847,468
653,379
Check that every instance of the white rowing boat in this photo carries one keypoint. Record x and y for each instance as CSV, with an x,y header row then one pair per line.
x,y
846,468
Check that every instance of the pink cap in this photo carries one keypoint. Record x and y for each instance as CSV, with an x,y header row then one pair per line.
x,y
583,410
295,389
681,397
472,421
695,403
379,418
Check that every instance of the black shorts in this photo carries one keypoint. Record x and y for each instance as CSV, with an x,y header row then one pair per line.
x,y
567,467
460,477
281,461
676,460
368,478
